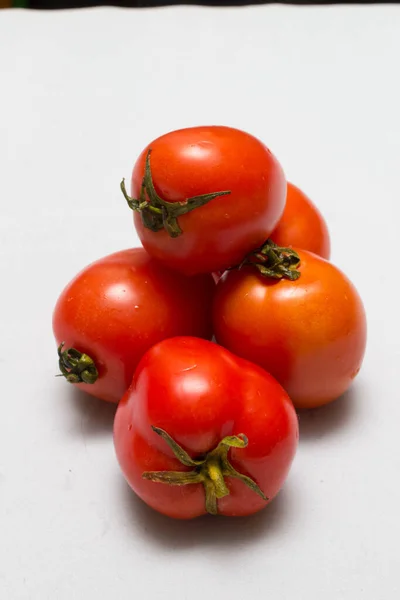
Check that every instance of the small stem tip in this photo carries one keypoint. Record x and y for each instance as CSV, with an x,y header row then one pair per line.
x,y
76,366
273,261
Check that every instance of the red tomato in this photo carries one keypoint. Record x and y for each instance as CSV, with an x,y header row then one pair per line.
x,y
227,431
218,194
302,225
116,309
217,276
309,333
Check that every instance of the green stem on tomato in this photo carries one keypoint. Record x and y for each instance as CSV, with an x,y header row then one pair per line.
x,y
157,213
273,261
76,366
210,471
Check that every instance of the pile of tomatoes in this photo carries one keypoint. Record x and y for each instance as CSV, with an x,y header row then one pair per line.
x,y
231,251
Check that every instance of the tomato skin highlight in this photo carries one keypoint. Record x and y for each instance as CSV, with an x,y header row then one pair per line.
x,y
115,309
302,225
200,393
201,160
310,334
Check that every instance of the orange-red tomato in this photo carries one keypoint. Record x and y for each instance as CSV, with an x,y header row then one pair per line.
x,y
235,427
302,225
189,163
114,310
310,333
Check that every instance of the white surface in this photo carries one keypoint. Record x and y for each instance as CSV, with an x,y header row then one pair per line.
x,y
81,93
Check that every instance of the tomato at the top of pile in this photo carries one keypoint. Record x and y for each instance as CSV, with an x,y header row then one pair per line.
x,y
302,225
204,197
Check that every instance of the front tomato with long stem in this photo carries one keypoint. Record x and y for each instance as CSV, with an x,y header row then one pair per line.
x,y
204,197
201,430
116,309
296,315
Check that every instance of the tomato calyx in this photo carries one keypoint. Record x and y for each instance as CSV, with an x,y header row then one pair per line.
x,y
273,261
209,471
157,213
76,366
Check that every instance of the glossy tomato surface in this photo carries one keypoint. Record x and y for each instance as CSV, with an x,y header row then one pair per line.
x,y
118,307
199,393
302,225
202,160
310,333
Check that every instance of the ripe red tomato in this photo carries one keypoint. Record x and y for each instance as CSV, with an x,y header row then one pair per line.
x,y
227,431
302,225
309,333
116,309
205,197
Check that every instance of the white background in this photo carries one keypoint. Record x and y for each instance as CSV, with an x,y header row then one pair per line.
x,y
80,94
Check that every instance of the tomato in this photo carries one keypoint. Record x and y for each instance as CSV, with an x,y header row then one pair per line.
x,y
116,309
309,333
302,225
201,430
217,276
205,197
